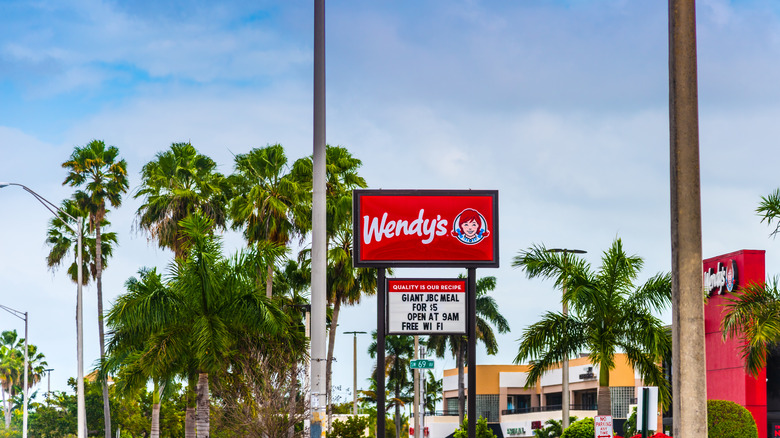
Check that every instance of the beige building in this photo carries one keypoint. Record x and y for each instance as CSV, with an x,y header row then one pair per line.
x,y
503,400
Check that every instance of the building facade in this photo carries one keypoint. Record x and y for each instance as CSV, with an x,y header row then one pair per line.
x,y
504,401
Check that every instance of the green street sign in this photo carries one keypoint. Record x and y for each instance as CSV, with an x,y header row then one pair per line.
x,y
421,363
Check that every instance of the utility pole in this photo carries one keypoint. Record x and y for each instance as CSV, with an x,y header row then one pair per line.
x,y
318,245
689,384
354,368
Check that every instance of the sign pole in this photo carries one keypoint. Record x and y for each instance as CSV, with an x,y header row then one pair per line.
x,y
645,410
417,389
380,352
472,353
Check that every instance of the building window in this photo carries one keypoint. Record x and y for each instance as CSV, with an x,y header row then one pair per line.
x,y
518,402
451,406
586,400
553,399
621,398
487,406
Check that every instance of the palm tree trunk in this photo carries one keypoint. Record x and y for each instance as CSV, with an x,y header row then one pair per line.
x,y
269,281
334,319
293,398
203,406
604,400
397,411
99,282
156,396
6,409
461,386
191,415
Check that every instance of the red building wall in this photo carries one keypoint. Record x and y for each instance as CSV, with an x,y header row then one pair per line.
x,y
726,376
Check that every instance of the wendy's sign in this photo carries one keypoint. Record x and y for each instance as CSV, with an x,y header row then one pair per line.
x,y
425,228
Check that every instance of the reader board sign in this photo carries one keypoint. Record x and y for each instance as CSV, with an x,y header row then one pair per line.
x,y
425,228
603,426
426,306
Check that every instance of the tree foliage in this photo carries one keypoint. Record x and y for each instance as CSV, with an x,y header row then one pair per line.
x,y
752,315
726,419
353,427
584,428
482,429
609,314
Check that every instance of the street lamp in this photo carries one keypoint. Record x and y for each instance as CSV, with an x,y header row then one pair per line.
x,y
19,314
354,369
82,412
48,375
565,402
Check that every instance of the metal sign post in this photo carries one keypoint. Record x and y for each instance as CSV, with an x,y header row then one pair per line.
x,y
419,229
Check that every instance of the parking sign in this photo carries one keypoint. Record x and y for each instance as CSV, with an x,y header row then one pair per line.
x,y
603,425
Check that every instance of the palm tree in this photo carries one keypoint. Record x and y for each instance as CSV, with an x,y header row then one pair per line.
x,y
294,280
399,351
433,391
341,174
63,241
11,365
99,170
179,182
132,321
769,209
12,368
269,200
609,314
487,314
213,304
752,316
346,285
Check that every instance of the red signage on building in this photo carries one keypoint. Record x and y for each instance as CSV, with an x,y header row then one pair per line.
x,y
424,228
726,376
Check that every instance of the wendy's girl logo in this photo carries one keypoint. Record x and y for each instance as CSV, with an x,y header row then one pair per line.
x,y
470,227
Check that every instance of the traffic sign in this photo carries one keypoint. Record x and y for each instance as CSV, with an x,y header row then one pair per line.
x,y
603,426
421,363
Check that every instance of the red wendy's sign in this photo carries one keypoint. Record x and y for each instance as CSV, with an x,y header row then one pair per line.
x,y
425,228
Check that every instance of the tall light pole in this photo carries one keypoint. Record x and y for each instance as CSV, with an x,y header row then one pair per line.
x,y
23,316
81,405
48,376
689,381
565,399
354,369
319,220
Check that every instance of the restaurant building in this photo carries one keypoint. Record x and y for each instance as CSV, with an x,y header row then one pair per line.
x,y
516,411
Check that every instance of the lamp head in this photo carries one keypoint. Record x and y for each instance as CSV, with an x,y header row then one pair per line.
x,y
4,184
569,251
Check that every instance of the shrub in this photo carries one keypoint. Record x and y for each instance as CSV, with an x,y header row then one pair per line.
x,y
584,428
483,431
354,427
726,419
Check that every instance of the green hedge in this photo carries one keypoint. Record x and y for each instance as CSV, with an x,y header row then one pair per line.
x,y
726,419
584,428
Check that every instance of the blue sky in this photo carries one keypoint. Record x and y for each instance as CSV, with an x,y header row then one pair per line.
x,y
560,105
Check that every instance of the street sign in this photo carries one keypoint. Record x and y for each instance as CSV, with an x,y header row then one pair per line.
x,y
421,363
426,306
603,426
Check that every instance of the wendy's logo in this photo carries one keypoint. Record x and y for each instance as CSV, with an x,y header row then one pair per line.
x,y
470,227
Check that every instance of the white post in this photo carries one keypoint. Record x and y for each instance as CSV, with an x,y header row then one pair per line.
x,y
319,238
81,405
26,391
